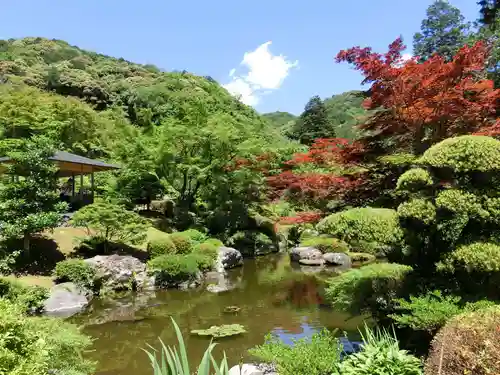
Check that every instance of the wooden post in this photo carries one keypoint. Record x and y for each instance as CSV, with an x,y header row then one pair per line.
x,y
72,186
92,183
81,185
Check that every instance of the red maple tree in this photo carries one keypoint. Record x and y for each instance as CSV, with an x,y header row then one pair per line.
x,y
419,104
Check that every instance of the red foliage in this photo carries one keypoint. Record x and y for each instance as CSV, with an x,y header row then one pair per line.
x,y
426,101
301,218
325,151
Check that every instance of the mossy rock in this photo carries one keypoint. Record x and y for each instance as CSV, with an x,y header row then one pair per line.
x,y
362,257
225,330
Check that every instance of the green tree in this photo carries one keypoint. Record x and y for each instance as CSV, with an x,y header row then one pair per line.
x,y
443,32
29,202
313,122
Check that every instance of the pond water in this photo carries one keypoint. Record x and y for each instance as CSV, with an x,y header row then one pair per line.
x,y
290,308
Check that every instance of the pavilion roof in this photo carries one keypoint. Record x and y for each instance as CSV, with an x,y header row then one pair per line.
x,y
69,164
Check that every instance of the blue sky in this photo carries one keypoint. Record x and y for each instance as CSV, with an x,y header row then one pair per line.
x,y
212,37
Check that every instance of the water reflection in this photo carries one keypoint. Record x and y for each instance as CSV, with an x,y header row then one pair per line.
x,y
287,306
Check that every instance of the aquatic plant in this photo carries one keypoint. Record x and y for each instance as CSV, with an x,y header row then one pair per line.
x,y
224,330
174,361
231,309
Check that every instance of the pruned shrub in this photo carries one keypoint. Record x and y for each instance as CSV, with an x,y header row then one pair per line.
x,y
431,311
30,297
464,154
251,242
370,288
172,269
76,271
414,180
327,245
161,246
183,244
36,345
362,257
204,261
420,210
367,225
478,257
195,235
468,344
209,247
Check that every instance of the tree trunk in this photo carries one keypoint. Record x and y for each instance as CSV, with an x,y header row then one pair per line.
x,y
26,244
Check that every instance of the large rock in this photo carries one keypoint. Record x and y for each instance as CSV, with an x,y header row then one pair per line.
x,y
121,272
245,369
306,253
66,299
337,259
228,258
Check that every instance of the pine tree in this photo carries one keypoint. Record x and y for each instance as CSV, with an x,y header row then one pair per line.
x,y
443,32
313,122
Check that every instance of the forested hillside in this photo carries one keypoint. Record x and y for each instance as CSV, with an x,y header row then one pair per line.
x,y
183,129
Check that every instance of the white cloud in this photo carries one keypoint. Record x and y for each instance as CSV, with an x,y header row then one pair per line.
x,y
404,58
265,73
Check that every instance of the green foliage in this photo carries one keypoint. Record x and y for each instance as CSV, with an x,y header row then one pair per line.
x,y
444,31
468,344
139,186
380,355
369,288
326,244
420,210
464,154
414,179
362,257
76,271
224,330
362,227
397,160
431,311
112,223
182,242
30,204
31,298
34,345
345,111
176,268
318,356
251,242
195,235
161,246
313,123
210,248
174,361
204,260
478,257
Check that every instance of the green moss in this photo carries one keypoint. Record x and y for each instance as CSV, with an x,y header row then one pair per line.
x,y
327,245
362,257
220,331
464,154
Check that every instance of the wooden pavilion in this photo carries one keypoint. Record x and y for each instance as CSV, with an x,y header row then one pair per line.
x,y
71,165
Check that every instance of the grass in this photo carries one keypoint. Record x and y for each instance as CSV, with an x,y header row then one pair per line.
x,y
33,280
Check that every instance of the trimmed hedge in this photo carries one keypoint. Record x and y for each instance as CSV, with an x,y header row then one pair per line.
x,y
367,229
482,257
76,271
464,154
182,242
368,288
174,268
468,344
161,246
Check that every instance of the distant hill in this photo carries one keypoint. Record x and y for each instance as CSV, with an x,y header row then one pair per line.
x,y
345,111
279,119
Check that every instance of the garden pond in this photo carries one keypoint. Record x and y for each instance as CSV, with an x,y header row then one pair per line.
x,y
269,296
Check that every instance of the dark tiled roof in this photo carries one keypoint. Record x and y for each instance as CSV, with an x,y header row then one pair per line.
x,y
67,157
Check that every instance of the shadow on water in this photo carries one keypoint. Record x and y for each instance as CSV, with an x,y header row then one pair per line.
x,y
271,298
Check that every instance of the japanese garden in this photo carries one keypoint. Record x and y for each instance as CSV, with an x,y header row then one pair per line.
x,y
152,223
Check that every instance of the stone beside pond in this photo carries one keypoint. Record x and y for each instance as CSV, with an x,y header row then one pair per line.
x,y
310,256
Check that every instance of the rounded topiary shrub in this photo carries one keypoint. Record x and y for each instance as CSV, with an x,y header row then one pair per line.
x,y
161,246
76,271
368,289
182,242
366,230
414,180
195,235
173,269
327,244
210,248
478,257
467,344
464,154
